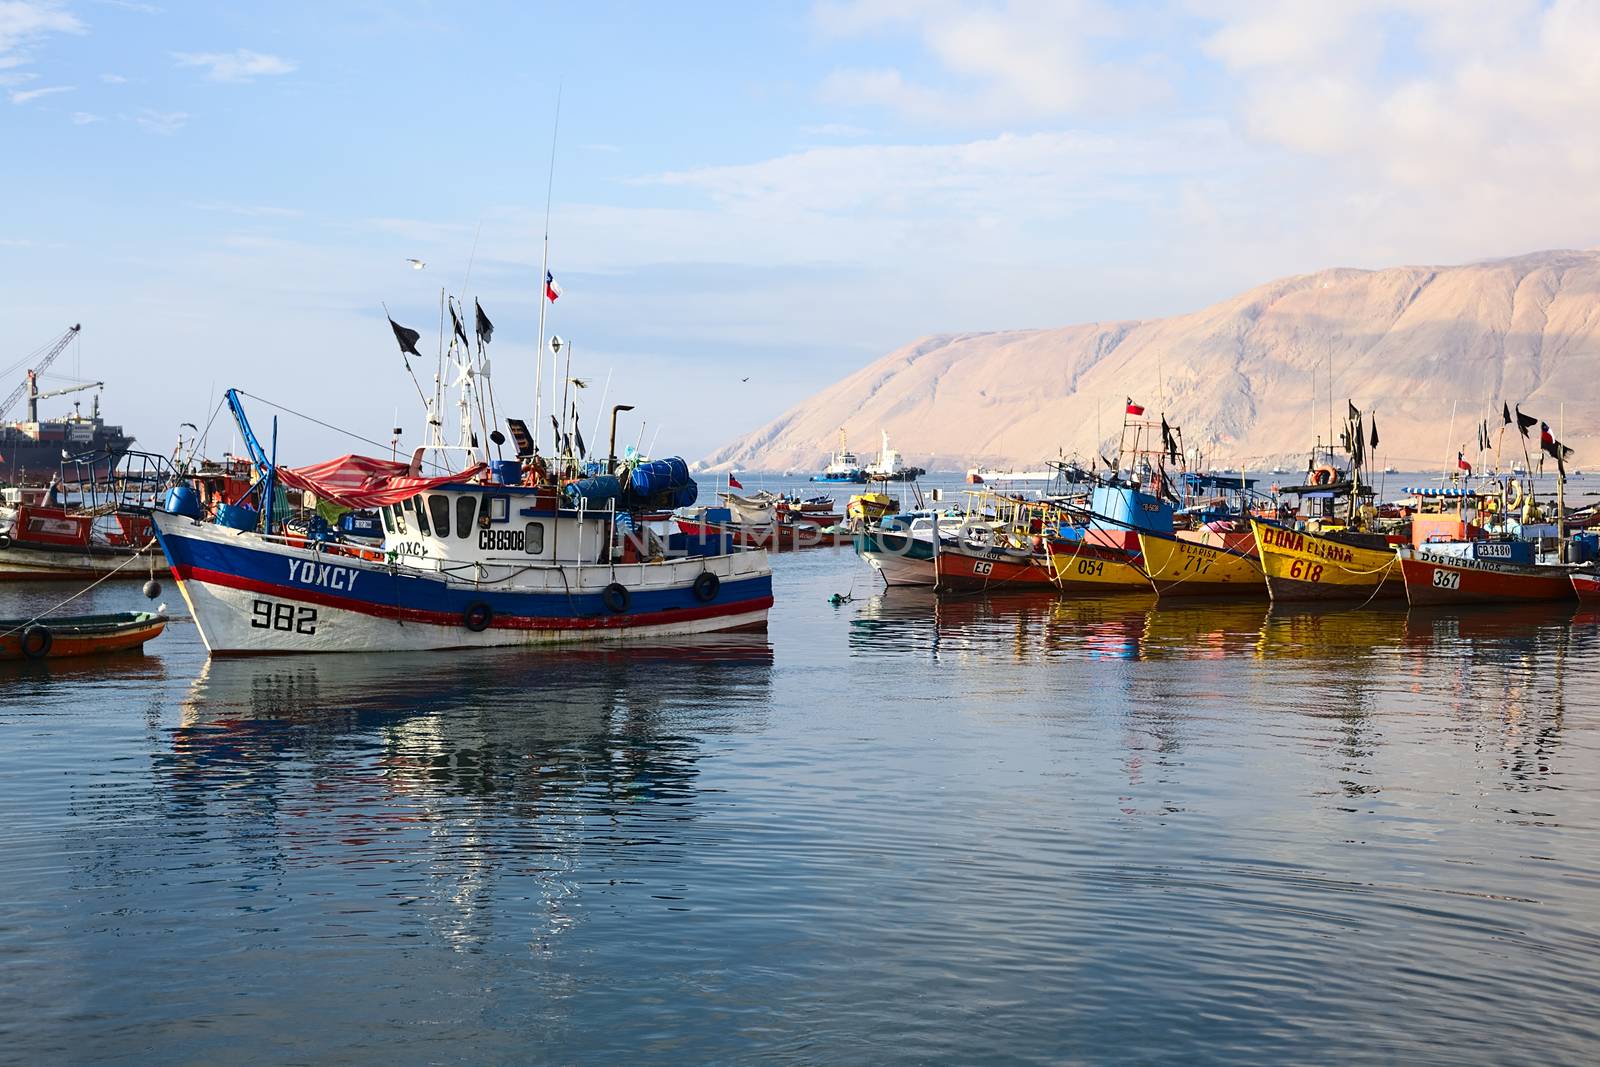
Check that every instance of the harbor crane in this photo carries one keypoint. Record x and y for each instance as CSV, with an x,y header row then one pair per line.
x,y
30,384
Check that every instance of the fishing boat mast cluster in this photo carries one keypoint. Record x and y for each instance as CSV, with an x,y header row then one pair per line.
x,y
1146,523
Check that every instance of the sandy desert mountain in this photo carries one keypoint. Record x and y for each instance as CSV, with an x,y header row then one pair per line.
x,y
1245,378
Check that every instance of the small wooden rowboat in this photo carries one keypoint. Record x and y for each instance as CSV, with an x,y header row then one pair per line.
x,y
77,635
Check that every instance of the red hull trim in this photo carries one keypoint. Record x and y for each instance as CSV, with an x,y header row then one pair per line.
x,y
445,618
1477,585
959,572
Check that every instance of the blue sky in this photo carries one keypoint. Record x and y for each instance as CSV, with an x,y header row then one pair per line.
x,y
224,194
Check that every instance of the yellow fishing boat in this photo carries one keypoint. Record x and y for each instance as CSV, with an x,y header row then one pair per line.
x,y
1186,568
1326,565
865,509
1087,569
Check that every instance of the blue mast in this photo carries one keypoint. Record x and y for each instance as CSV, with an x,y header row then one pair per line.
x,y
258,456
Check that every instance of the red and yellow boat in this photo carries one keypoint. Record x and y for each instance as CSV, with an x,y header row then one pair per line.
x,y
1179,567
1084,568
1300,565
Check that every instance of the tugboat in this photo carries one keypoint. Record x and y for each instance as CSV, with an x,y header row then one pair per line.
x,y
890,466
469,558
843,466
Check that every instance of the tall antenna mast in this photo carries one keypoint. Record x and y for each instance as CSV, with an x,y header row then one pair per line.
x,y
544,273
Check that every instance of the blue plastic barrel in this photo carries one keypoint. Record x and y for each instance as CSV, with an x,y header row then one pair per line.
x,y
237,516
596,492
506,471
183,500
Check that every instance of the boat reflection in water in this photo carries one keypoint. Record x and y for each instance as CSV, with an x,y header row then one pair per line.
x,y
478,777
1138,627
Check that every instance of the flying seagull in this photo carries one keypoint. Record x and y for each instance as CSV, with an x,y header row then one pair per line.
x,y
744,379
416,264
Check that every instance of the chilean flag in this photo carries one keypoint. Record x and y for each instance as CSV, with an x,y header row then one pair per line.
x,y
733,483
1462,464
1545,440
1134,409
552,291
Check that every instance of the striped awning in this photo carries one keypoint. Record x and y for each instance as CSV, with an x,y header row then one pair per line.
x,y
365,482
1438,491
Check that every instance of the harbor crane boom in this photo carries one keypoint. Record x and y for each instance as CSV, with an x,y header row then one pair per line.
x,y
68,389
30,384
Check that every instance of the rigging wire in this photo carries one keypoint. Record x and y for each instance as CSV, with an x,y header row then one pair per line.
x,y
336,429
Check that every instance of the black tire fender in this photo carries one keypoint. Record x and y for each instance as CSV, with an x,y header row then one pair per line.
x,y
616,598
477,617
706,586
36,642
5,541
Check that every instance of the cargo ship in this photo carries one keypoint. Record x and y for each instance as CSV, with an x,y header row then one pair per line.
x,y
31,450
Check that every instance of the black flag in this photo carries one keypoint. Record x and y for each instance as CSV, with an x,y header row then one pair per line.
x,y
455,325
1354,413
523,439
485,327
576,432
1505,413
1525,422
1374,433
408,339
1481,446
556,426
1358,440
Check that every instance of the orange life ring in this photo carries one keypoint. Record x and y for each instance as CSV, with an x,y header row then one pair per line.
x,y
1324,476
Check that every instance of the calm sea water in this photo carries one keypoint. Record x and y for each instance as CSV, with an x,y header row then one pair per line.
x,y
892,830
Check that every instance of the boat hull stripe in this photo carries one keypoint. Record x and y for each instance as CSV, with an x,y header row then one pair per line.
x,y
502,621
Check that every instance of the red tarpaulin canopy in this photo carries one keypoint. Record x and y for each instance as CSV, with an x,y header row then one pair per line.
x,y
364,482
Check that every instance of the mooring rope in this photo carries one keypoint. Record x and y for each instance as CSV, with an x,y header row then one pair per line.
x,y
108,574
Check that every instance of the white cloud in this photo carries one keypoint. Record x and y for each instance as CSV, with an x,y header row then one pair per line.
x,y
24,23
161,122
84,118
1023,59
241,65
113,79
23,96
1491,112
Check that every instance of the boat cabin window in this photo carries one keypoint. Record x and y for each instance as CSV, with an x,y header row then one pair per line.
x,y
499,509
466,512
414,505
533,538
400,518
388,517
439,512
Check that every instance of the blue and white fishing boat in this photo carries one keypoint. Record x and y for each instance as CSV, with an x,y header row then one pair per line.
x,y
466,561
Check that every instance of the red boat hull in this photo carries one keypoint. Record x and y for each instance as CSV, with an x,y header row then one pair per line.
x,y
1587,586
976,571
1434,579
